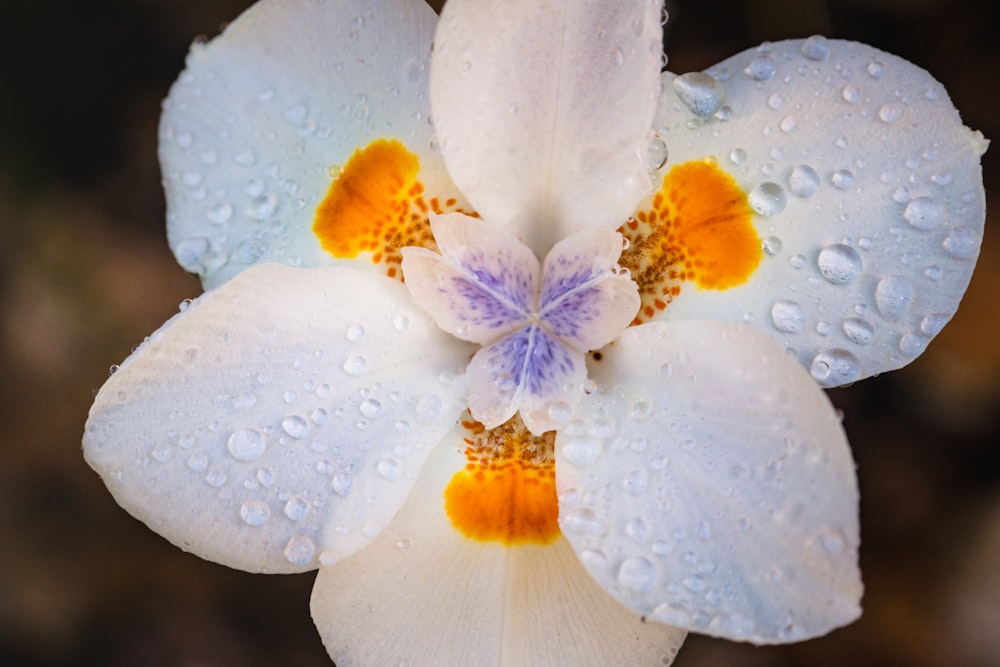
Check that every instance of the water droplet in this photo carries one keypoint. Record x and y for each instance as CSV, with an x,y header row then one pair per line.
x,y
771,245
961,242
215,478
255,512
788,316
198,462
816,48
355,333
890,112
637,575
788,124
912,344
775,102
582,452
617,57
246,444
637,530
858,330
656,153
428,408
842,179
767,198
220,213
761,69
162,452
635,482
583,522
390,468
371,408
803,181
342,483
851,93
932,324
840,264
737,156
401,322
299,550
832,541
560,412
701,93
295,426
924,212
297,508
835,367
892,296
875,69
356,365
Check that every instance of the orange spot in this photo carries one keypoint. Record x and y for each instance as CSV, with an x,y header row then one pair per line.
x,y
698,228
376,206
507,491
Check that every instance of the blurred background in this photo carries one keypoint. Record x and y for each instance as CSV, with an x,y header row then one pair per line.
x,y
85,274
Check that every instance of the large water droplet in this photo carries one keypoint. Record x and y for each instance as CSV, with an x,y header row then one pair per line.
x,y
656,153
255,512
761,69
768,199
371,408
582,452
890,112
246,444
803,181
839,263
637,575
299,550
858,330
788,316
892,296
912,344
924,212
835,367
816,48
295,426
932,324
962,242
700,92
851,93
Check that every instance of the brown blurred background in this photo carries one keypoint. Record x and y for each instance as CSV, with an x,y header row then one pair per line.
x,y
85,274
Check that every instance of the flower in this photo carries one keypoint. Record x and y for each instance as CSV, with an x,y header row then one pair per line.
x,y
815,221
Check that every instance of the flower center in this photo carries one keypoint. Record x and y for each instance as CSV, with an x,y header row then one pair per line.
x,y
696,228
506,493
376,205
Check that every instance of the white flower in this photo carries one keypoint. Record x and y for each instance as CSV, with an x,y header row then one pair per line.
x,y
816,193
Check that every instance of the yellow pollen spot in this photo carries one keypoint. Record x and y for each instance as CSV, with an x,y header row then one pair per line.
x,y
507,491
696,228
376,206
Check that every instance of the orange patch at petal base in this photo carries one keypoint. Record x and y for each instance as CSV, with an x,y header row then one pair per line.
x,y
507,491
697,228
376,206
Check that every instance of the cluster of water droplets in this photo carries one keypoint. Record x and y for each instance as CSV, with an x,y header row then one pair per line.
x,y
816,175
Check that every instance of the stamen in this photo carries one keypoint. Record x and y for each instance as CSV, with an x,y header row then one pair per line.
x,y
506,493
697,228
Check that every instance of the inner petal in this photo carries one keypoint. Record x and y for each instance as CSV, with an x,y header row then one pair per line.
x,y
697,228
376,205
506,493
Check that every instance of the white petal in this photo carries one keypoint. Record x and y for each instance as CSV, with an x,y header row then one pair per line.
x,y
528,371
709,485
261,114
260,426
482,286
423,594
541,109
585,300
882,196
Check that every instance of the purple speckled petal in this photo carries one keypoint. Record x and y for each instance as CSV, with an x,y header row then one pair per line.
x,y
530,371
586,301
482,285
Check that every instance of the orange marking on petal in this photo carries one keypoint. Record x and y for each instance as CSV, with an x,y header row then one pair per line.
x,y
698,228
507,491
375,205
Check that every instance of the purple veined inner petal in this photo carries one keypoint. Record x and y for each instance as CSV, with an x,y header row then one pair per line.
x,y
530,361
494,293
570,297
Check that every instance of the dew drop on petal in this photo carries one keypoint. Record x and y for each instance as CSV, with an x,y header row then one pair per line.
x,y
767,198
832,541
390,468
842,179
246,444
851,93
295,426
890,112
892,296
356,365
737,156
255,512
701,93
840,264
772,245
371,408
858,330
355,333
342,483
803,181
656,153
788,316
299,550
761,69
961,242
816,48
583,522
637,575
831,368
912,344
932,324
875,69
924,212
582,452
